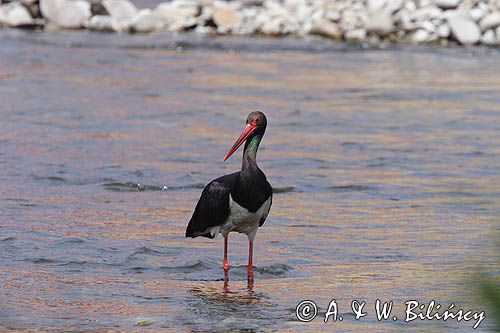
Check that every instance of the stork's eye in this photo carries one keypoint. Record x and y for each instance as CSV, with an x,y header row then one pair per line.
x,y
255,121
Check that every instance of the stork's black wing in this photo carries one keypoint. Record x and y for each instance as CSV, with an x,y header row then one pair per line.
x,y
212,208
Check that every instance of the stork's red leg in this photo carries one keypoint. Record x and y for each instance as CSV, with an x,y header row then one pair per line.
x,y
226,263
250,260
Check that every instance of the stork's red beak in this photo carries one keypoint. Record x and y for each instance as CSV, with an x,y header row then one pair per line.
x,y
244,135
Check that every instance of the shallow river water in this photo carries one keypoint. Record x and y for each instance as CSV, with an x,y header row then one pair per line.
x,y
384,163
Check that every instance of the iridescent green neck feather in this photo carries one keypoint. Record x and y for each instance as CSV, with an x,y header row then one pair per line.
x,y
250,154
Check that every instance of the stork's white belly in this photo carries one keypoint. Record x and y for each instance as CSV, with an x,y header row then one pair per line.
x,y
243,221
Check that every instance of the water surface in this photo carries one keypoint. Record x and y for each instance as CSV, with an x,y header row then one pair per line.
x,y
384,163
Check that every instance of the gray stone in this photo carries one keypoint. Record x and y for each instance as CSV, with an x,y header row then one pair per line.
x,y
490,21
326,28
464,30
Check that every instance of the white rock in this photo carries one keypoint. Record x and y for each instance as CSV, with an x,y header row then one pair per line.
x,y
380,22
448,14
49,8
332,15
394,5
73,14
477,13
490,21
271,27
374,5
426,13
410,6
464,30
429,26
326,28
14,15
226,16
488,38
100,23
443,31
350,20
146,21
179,15
356,35
420,36
447,4
120,9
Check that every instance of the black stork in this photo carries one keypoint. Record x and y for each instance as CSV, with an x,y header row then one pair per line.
x,y
239,201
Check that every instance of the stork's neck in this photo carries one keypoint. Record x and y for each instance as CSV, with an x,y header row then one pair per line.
x,y
249,165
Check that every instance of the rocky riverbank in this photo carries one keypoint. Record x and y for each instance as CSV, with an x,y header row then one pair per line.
x,y
465,22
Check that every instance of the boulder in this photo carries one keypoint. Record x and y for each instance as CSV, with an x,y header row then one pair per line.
x,y
464,30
